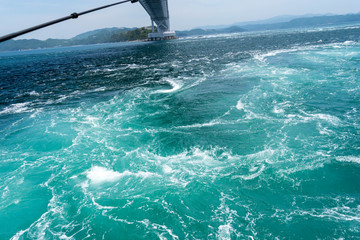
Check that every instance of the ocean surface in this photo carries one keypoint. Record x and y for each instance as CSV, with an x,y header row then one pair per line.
x,y
239,136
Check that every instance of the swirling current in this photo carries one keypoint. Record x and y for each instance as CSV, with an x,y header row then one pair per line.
x,y
239,136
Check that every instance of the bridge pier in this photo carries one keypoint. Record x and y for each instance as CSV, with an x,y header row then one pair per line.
x,y
159,14
157,36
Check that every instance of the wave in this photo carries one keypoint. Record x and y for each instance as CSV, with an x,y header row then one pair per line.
x,y
17,108
31,93
99,175
261,57
318,117
254,173
343,213
176,85
240,105
348,159
200,125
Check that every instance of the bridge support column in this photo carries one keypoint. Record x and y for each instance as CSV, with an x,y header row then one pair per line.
x,y
159,13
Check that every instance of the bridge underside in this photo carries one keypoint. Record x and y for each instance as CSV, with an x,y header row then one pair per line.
x,y
159,13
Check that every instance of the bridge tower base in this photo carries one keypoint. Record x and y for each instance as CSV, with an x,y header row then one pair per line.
x,y
157,36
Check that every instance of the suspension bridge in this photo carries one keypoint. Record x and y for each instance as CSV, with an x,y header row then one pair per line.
x,y
157,9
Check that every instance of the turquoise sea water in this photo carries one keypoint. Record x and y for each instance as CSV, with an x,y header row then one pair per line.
x,y
243,136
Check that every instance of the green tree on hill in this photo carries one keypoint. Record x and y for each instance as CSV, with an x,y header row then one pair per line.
x,y
132,35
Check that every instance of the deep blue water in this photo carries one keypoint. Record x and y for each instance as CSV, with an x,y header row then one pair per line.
x,y
240,136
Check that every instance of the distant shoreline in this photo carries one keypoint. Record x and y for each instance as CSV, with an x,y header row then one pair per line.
x,y
115,35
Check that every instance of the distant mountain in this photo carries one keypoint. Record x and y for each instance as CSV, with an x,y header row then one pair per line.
x,y
280,19
277,19
105,35
101,33
199,31
317,21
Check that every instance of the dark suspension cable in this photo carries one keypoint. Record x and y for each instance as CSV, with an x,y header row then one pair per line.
x,y
71,16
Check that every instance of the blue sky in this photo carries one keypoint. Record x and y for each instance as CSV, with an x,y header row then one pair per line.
x,y
185,14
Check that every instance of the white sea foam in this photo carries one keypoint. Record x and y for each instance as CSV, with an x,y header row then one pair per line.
x,y
93,121
167,169
34,93
182,168
224,232
100,175
100,206
59,100
163,228
324,130
258,172
326,117
196,83
263,56
262,155
349,159
200,125
37,230
176,85
134,66
100,89
36,113
319,117
19,234
225,215
347,43
343,213
278,110
16,108
240,105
